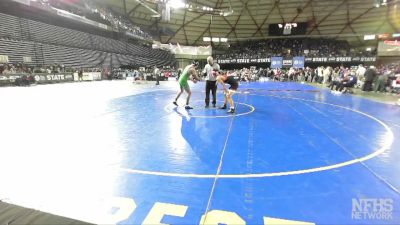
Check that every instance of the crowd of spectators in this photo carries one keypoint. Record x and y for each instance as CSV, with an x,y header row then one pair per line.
x,y
6,69
384,79
21,74
118,22
22,68
95,12
292,47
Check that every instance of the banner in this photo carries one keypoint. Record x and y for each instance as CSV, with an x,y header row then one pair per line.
x,y
298,62
276,62
184,50
367,59
72,16
3,58
243,61
53,78
6,79
39,78
88,76
288,62
389,48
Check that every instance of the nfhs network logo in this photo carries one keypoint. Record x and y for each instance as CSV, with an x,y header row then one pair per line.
x,y
372,208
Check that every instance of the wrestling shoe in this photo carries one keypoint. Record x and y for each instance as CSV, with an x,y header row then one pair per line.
x,y
231,110
188,107
222,107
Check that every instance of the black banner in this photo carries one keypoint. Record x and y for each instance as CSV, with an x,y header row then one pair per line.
x,y
243,61
39,78
287,62
53,78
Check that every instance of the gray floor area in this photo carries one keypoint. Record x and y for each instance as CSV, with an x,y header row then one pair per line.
x,y
13,215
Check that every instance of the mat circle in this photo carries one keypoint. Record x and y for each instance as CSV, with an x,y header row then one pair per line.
x,y
386,145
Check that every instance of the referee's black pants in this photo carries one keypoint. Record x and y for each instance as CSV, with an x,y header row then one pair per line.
x,y
210,86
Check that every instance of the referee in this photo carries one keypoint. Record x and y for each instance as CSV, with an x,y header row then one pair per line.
x,y
210,71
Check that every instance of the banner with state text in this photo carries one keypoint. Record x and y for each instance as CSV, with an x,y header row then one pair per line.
x,y
297,61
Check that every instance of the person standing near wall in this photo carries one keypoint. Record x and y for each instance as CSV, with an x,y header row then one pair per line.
x,y
157,75
370,75
80,75
210,71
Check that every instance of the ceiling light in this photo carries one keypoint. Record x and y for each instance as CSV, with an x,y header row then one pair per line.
x,y
224,39
369,37
176,4
215,39
228,13
206,39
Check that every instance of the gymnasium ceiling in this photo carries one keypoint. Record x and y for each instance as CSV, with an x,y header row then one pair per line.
x,y
342,19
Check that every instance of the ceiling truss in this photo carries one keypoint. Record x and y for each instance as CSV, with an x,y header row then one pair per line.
x,y
344,18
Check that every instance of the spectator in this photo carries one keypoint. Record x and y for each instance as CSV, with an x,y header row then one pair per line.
x,y
326,75
360,75
156,73
370,75
348,82
80,75
380,83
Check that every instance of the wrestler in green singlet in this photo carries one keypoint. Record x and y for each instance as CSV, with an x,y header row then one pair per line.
x,y
189,70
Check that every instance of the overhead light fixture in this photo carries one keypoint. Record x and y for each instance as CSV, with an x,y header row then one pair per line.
x,y
396,35
224,39
226,13
368,49
176,4
369,37
230,12
206,39
215,39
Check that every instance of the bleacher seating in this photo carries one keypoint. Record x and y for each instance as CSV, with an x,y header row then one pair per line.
x,y
48,44
10,26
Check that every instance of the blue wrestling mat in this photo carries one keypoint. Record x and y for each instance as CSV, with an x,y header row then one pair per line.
x,y
291,153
